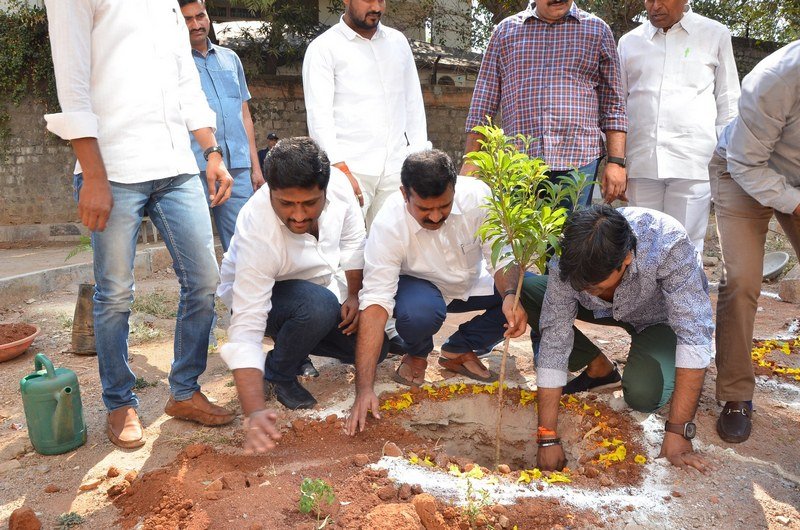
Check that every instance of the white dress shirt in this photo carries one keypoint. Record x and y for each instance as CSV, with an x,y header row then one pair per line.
x,y
263,251
682,89
453,258
363,99
125,75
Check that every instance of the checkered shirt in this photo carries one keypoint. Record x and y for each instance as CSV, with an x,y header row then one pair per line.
x,y
559,83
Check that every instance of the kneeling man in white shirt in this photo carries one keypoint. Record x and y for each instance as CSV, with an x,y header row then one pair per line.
x,y
424,259
293,270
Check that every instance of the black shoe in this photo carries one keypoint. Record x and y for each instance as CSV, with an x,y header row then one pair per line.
x,y
397,346
583,382
292,395
306,369
735,422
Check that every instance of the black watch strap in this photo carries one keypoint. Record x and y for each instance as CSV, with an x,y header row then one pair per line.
x,y
212,149
620,161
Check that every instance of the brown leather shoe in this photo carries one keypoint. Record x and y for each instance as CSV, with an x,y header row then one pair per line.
x,y
124,428
735,422
199,409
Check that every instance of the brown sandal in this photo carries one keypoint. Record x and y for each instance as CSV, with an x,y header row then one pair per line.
x,y
457,365
418,365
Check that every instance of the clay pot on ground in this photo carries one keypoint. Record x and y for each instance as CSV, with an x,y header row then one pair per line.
x,y
15,339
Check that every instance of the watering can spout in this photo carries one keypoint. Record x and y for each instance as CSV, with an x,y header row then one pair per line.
x,y
63,424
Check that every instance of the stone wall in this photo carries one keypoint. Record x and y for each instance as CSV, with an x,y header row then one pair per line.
x,y
749,52
36,175
278,106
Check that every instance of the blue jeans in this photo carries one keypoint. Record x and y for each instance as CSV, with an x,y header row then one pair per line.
x,y
420,312
177,208
304,320
590,170
226,213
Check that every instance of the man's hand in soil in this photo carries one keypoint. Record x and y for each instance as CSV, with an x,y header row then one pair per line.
x,y
366,401
679,452
551,458
260,431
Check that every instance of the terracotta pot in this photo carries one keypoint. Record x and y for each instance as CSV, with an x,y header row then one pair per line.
x,y
10,350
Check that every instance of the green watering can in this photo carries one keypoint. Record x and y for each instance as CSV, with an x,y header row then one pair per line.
x,y
52,401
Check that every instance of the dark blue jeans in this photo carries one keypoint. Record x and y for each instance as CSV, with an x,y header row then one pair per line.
x,y
420,312
590,170
304,320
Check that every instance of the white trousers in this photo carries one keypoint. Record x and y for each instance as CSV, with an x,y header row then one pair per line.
x,y
376,189
688,201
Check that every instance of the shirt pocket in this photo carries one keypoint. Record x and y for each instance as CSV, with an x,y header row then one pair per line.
x,y
470,255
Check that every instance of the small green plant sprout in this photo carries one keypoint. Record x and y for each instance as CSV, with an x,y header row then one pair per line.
x,y
526,213
68,520
314,493
476,501
141,383
84,245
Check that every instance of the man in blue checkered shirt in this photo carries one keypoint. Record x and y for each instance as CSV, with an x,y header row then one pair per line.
x,y
552,71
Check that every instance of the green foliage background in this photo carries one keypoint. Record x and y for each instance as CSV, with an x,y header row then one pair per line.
x,y
26,68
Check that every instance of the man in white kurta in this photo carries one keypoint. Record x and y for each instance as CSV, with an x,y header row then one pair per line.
x,y
681,85
364,102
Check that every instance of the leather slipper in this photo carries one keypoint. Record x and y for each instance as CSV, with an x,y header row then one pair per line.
x,y
457,365
418,365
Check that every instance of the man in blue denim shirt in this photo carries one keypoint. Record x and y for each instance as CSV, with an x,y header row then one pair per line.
x,y
222,78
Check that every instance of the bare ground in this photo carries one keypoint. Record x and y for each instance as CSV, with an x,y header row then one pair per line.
x,y
753,485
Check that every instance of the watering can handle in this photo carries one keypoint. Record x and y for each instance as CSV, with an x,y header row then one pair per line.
x,y
41,359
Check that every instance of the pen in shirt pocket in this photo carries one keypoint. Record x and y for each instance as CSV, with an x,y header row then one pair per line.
x,y
407,142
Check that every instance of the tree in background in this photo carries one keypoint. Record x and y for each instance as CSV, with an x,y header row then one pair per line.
x,y
768,20
285,32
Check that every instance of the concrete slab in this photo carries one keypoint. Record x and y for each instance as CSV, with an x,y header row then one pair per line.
x,y
30,273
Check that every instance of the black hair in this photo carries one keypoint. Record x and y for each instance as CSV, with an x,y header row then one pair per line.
x,y
182,3
594,244
297,162
428,173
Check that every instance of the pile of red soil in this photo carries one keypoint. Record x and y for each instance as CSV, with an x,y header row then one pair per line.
x,y
13,332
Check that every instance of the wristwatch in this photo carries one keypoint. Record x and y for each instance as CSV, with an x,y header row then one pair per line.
x,y
687,430
620,161
213,149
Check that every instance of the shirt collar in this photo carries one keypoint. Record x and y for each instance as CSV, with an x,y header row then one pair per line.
x,y
688,23
531,11
350,34
211,48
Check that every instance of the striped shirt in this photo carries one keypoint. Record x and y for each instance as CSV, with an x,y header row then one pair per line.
x,y
559,83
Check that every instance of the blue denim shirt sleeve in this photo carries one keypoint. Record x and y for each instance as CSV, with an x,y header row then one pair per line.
x,y
225,87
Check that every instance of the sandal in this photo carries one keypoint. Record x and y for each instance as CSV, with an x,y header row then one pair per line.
x,y
418,365
457,365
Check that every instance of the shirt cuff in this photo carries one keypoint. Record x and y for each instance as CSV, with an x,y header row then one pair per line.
x,y
550,378
352,261
788,201
201,119
243,355
71,125
614,123
366,302
693,356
